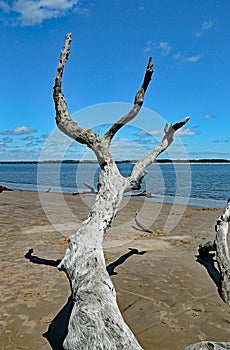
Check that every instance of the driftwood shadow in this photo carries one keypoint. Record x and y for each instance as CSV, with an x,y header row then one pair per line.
x,y
58,328
36,260
110,268
207,260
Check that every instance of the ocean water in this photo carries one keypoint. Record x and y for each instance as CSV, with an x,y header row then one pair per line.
x,y
205,185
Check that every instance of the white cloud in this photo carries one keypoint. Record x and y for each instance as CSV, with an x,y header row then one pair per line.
x,y
32,12
193,59
148,46
205,26
19,130
146,133
177,56
209,116
19,154
164,47
126,149
186,132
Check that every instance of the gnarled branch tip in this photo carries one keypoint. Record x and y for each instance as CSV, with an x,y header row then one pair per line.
x,y
179,125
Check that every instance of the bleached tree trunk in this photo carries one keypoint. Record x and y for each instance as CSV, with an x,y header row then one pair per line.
x,y
96,321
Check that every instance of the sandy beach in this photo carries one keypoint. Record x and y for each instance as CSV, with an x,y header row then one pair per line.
x,y
166,297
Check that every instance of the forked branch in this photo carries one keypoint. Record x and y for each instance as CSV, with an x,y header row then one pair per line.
x,y
138,102
139,170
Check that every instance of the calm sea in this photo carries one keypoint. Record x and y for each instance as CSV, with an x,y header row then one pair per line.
x,y
205,185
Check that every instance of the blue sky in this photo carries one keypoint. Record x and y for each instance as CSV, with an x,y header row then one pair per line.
x,y
111,43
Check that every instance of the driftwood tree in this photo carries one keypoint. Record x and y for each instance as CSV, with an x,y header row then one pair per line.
x,y
96,321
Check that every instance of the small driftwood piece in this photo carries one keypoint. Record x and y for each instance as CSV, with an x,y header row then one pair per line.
x,y
141,226
143,194
91,188
3,188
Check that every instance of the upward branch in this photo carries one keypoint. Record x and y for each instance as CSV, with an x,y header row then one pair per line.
x,y
138,102
64,121
139,170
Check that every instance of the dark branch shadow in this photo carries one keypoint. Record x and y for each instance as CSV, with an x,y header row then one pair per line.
x,y
110,268
209,263
58,327
36,260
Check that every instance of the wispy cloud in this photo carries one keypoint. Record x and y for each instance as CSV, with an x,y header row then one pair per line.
x,y
33,12
186,132
205,26
148,46
27,138
144,133
222,140
164,47
193,59
126,149
177,56
209,116
19,130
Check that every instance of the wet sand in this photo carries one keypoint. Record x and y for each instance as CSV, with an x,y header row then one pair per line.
x,y
166,297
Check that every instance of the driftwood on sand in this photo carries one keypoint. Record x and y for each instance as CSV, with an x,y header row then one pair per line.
x,y
218,249
3,188
219,274
141,226
96,321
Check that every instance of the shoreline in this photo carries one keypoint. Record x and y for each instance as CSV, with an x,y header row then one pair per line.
x,y
175,200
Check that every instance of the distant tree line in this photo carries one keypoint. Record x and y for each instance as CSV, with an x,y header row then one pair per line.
x,y
70,161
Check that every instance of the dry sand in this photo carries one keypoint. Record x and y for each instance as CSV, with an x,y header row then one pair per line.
x,y
165,296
